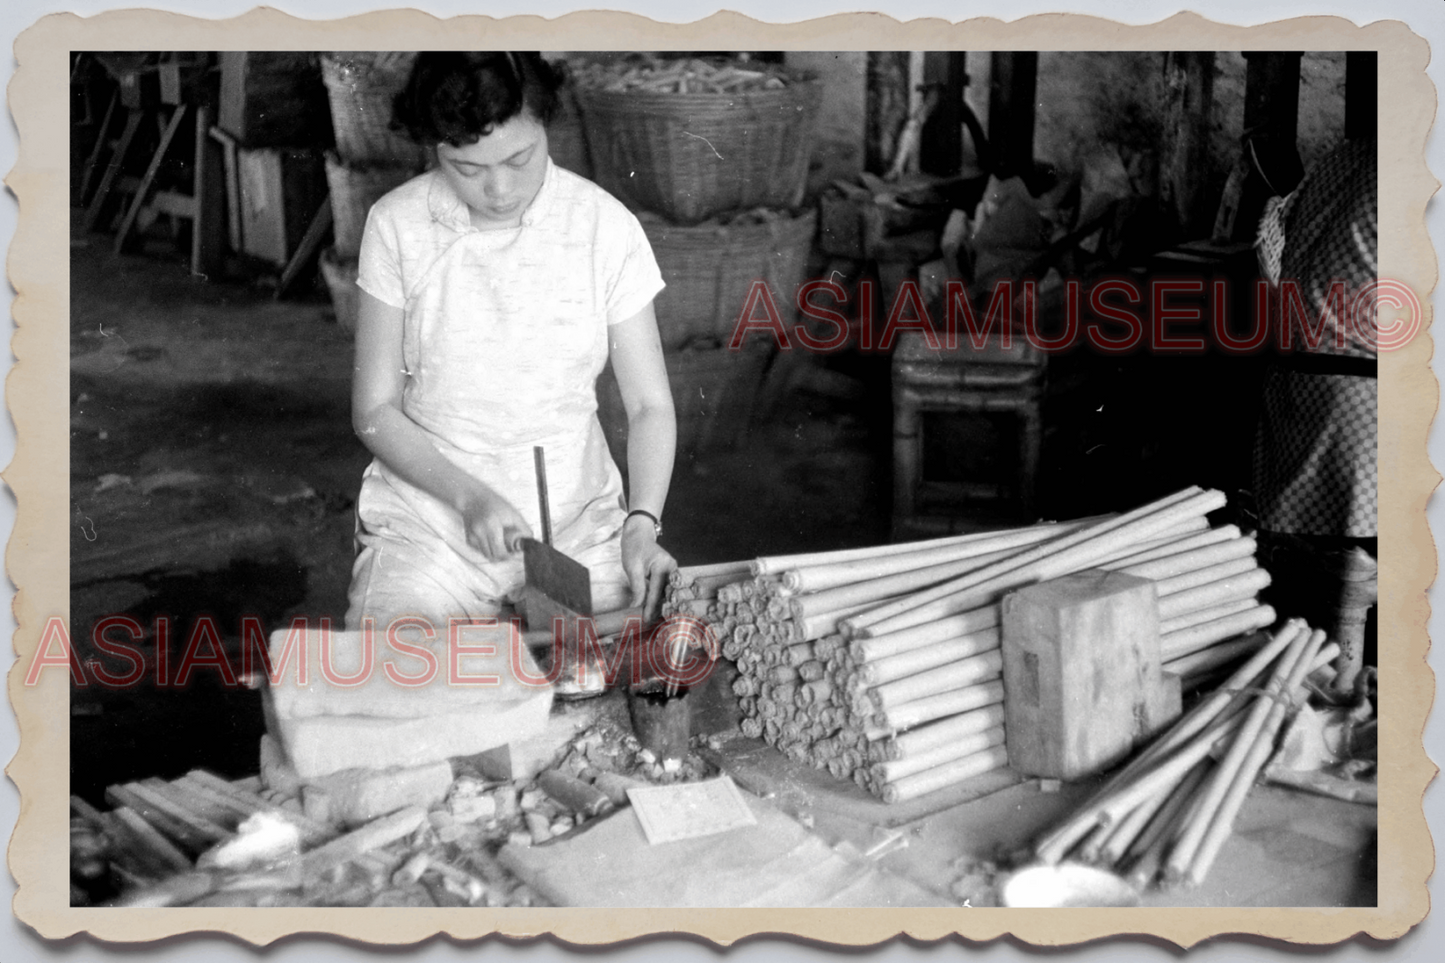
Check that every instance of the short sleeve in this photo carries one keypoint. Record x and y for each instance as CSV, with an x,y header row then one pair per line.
x,y
379,263
634,278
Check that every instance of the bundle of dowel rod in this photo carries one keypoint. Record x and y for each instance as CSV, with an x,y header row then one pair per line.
x,y
1164,817
882,664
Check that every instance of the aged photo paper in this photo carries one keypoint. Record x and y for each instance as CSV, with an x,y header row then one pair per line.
x,y
186,477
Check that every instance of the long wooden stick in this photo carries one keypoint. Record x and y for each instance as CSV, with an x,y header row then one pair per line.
x,y
1067,553
906,640
944,731
1203,539
955,675
1209,614
1195,721
1118,799
1215,593
893,770
1214,656
1193,836
1172,566
821,578
1176,645
772,564
1257,753
915,713
890,586
906,664
1205,576
948,774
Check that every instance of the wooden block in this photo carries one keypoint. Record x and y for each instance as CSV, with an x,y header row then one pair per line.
x,y
1081,670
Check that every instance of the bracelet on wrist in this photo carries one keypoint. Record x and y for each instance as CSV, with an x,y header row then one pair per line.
x,y
656,525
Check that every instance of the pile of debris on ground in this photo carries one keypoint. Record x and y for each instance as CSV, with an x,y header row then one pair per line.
x,y
201,840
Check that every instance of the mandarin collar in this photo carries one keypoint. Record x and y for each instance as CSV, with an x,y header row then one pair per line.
x,y
446,206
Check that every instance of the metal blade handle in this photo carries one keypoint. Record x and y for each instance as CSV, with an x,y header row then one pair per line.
x,y
539,457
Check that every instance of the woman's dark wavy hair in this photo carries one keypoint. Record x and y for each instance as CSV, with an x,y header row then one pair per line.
x,y
457,98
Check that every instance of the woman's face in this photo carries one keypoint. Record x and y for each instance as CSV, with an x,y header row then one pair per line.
x,y
499,174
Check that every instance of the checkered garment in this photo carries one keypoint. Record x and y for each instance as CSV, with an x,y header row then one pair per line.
x,y
1315,453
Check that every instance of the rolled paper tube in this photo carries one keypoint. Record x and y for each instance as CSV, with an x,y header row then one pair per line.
x,y
1171,566
822,578
782,673
906,640
1209,709
1202,539
1077,550
932,656
1236,587
948,774
1212,657
796,655
1176,645
944,731
955,675
1146,850
1218,787
1256,754
966,745
731,593
745,686
1198,616
742,570
810,671
1204,576
889,586
827,623
1118,798
1166,541
782,563
1118,837
825,647
778,609
919,711
817,691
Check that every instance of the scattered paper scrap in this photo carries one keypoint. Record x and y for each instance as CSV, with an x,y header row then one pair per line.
x,y
690,810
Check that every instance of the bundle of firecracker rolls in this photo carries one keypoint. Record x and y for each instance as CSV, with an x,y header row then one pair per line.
x,y
883,664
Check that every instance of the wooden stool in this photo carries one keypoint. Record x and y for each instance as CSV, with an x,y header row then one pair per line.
x,y
992,379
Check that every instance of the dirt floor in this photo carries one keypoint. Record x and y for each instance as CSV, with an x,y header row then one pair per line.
x,y
213,478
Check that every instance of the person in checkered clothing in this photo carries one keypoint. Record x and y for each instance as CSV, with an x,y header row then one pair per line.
x,y
1315,475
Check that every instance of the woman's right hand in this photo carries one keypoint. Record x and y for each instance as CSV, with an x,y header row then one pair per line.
x,y
493,526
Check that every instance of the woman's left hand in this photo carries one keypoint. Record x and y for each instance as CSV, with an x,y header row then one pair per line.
x,y
646,563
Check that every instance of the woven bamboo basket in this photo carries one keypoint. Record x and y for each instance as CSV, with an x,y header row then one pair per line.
x,y
353,191
690,156
340,276
362,87
713,393
710,272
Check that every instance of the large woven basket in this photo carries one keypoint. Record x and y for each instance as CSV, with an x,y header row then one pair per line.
x,y
340,276
713,394
362,87
353,191
710,272
690,156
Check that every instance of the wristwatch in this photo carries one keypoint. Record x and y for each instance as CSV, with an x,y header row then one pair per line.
x,y
656,525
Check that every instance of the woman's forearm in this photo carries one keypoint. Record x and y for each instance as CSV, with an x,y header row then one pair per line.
x,y
403,447
651,447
